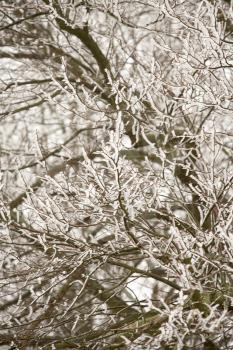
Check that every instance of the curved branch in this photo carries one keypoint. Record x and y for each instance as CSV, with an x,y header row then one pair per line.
x,y
23,20
84,36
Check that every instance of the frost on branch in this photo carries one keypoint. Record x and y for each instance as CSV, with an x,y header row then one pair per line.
x,y
116,175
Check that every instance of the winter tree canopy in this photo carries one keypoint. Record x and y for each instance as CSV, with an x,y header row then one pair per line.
x,y
116,174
